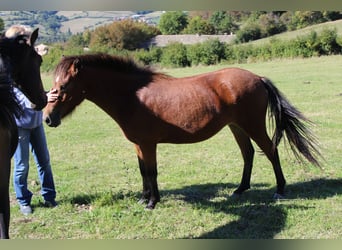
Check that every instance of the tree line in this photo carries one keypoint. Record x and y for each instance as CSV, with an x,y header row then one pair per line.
x,y
126,37
247,25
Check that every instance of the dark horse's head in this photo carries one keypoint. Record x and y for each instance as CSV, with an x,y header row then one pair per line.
x,y
17,48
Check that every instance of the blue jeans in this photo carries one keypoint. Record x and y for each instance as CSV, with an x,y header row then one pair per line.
x,y
35,140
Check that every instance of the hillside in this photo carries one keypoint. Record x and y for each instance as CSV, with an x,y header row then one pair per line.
x,y
301,32
56,25
78,21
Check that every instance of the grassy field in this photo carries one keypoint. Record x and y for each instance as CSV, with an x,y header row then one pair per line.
x,y
98,181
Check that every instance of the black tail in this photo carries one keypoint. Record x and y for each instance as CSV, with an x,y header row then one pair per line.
x,y
293,122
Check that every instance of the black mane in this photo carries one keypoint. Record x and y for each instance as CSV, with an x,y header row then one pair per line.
x,y
8,100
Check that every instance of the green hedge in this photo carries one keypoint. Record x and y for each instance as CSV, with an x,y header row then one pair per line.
x,y
213,51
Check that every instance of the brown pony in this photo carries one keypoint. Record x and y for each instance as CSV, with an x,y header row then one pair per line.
x,y
19,65
154,108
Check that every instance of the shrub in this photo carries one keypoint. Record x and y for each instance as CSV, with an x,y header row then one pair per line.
x,y
194,54
251,31
328,42
148,57
270,24
207,53
122,35
212,51
175,55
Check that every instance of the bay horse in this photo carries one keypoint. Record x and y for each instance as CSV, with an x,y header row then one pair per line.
x,y
19,66
152,108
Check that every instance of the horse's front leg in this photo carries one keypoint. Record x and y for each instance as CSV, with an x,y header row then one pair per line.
x,y
146,193
148,169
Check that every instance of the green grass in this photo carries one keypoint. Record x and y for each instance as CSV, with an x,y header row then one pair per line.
x,y
98,181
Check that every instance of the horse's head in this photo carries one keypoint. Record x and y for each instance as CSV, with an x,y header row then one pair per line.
x,y
69,94
25,64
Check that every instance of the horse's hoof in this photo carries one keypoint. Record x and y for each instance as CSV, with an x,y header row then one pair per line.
x,y
278,196
150,206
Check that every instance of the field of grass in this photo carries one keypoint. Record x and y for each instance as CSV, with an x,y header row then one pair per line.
x,y
98,181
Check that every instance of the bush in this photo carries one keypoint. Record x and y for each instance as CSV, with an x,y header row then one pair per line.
x,y
270,24
194,54
212,52
328,42
238,53
122,35
207,53
251,31
148,57
175,55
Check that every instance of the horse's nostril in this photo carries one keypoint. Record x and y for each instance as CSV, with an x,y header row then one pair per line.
x,y
53,120
48,120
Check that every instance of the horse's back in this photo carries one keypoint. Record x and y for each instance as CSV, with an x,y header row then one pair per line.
x,y
195,108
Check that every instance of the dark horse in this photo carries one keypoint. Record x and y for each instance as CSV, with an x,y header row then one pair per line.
x,y
154,108
20,66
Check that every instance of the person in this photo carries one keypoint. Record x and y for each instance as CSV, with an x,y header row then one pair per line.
x,y
31,136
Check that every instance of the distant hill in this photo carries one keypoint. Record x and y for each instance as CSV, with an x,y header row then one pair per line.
x,y
78,21
58,25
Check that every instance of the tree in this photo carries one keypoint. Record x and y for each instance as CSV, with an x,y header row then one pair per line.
x,y
249,32
270,24
126,34
172,22
302,19
222,22
197,25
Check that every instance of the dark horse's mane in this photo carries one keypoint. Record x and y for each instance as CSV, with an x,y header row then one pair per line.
x,y
106,61
8,100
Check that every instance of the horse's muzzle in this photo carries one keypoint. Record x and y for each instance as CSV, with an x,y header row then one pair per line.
x,y
53,120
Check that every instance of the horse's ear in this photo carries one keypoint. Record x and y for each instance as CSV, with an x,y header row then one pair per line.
x,y
34,36
75,67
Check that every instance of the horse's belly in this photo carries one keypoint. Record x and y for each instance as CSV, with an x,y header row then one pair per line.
x,y
179,135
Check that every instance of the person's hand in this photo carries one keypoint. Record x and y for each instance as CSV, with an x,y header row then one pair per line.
x,y
52,95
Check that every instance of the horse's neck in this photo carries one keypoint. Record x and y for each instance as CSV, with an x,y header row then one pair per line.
x,y
114,94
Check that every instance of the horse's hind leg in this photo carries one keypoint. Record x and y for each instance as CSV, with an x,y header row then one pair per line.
x,y
259,135
247,152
